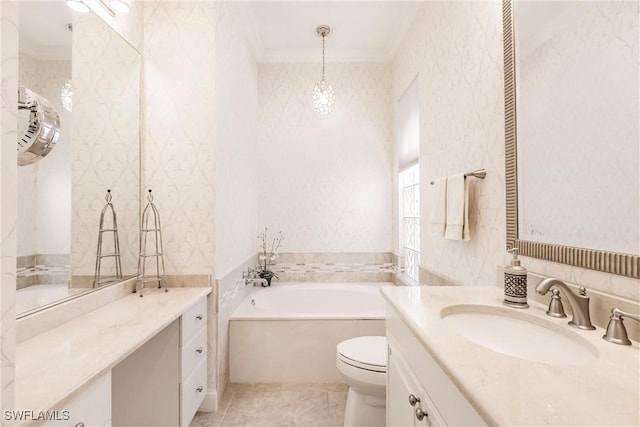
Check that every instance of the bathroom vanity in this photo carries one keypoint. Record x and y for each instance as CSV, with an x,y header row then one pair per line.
x,y
135,361
441,375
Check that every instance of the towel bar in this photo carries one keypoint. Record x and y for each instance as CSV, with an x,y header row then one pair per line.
x,y
480,173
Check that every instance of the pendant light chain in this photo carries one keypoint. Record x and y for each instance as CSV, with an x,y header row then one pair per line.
x,y
323,57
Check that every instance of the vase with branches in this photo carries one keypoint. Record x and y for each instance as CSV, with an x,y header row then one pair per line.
x,y
268,255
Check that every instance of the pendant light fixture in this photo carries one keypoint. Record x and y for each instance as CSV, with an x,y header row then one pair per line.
x,y
323,94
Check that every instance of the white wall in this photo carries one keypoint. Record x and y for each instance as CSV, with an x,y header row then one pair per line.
x,y
236,154
236,140
325,181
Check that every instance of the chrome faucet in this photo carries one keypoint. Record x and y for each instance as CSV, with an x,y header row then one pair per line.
x,y
579,302
616,332
250,277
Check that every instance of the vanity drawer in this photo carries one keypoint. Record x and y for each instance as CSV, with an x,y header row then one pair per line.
x,y
92,405
192,392
193,353
192,320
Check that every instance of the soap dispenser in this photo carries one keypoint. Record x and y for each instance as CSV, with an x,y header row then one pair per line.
x,y
515,283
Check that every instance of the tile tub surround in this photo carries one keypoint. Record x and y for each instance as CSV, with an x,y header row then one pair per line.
x,y
53,366
600,393
276,404
335,267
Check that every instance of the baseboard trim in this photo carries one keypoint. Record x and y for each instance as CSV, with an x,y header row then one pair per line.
x,y
210,402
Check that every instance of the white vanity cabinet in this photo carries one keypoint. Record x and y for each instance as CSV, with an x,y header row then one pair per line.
x,y
164,382
407,402
419,393
193,360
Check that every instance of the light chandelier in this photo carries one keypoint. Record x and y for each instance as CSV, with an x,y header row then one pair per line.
x,y
66,95
323,93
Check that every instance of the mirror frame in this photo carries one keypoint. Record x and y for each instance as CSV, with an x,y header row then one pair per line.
x,y
609,262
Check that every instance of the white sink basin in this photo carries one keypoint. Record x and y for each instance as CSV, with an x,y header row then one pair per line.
x,y
518,334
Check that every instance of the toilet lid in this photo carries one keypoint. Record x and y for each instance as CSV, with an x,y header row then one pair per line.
x,y
365,352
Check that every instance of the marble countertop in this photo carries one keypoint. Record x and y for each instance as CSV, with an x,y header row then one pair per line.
x,y
507,391
51,367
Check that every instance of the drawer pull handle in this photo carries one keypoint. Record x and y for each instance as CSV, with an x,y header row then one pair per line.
x,y
80,424
199,350
200,389
413,400
420,414
199,317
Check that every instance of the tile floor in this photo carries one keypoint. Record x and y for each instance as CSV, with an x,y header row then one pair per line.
x,y
286,405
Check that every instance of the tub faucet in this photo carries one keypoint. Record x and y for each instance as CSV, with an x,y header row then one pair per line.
x,y
579,302
250,277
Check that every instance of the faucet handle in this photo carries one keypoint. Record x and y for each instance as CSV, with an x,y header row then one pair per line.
x,y
555,305
583,291
616,332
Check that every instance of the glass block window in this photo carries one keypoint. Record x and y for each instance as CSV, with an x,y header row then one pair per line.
x,y
409,180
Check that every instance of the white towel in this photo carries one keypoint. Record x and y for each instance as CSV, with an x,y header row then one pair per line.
x,y
438,203
457,224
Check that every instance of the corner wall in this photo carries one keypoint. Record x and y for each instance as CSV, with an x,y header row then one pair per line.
x,y
236,175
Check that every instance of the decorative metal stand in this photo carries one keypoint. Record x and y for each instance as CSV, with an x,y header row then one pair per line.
x,y
150,247
107,211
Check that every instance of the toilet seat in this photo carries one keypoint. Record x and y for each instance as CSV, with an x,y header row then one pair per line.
x,y
368,353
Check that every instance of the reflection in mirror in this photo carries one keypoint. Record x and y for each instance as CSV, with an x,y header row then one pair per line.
x,y
577,103
44,187
576,195
61,196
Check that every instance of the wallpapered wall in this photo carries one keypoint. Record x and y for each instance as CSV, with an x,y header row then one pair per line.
x,y
179,129
456,49
325,181
44,199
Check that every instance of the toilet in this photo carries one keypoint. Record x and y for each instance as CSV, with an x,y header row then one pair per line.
x,y
363,363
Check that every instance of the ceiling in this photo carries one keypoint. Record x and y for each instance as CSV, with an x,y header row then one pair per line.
x,y
280,31
43,31
285,31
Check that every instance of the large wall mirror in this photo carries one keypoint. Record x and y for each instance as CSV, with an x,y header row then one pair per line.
x,y
91,77
572,132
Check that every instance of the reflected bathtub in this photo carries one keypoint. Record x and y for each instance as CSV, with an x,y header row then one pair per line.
x,y
289,332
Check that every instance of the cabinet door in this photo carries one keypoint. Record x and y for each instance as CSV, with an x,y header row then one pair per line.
x,y
401,384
